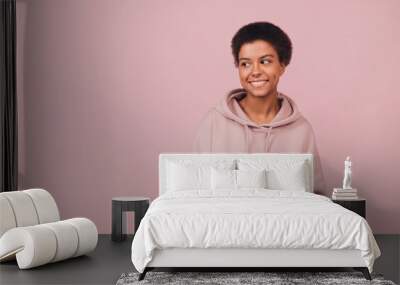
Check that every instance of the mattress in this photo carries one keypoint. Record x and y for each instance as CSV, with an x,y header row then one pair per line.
x,y
250,219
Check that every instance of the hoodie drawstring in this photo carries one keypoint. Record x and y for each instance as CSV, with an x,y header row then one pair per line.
x,y
268,139
246,137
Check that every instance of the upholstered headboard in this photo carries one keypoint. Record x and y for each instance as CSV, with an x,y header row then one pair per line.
x,y
203,158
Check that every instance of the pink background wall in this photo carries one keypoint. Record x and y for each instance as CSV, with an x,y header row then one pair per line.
x,y
105,86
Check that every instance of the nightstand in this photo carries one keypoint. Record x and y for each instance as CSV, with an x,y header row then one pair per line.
x,y
358,206
139,205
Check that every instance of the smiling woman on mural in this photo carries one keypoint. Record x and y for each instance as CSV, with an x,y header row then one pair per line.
x,y
257,117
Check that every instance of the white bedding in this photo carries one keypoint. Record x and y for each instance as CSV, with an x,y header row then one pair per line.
x,y
250,218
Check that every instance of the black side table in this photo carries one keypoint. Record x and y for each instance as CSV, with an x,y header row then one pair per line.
x,y
358,206
139,205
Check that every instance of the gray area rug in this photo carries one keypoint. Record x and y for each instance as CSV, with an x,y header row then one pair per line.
x,y
273,278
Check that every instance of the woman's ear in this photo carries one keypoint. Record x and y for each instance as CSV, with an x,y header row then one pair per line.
x,y
283,68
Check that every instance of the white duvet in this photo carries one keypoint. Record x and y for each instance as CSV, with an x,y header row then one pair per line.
x,y
251,218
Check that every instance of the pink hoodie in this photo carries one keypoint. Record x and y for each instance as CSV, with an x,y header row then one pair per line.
x,y
227,129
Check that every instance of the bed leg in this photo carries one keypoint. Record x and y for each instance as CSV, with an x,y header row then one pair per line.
x,y
143,274
364,271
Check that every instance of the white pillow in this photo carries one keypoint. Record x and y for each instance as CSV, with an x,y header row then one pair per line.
x,y
281,174
251,178
223,179
236,179
292,178
181,177
189,175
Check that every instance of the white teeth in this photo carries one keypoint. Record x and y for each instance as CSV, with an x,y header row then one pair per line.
x,y
258,83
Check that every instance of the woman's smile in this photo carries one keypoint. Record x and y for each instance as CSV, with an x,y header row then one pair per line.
x,y
258,83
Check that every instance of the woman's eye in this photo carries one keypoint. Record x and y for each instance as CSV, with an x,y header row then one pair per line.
x,y
245,64
265,61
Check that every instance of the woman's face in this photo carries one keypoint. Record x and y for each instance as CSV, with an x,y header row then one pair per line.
x,y
259,68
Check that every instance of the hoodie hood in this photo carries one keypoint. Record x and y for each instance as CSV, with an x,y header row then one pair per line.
x,y
229,107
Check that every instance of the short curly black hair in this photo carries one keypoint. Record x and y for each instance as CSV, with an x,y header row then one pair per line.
x,y
263,31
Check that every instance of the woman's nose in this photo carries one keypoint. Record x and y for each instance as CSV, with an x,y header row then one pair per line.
x,y
256,70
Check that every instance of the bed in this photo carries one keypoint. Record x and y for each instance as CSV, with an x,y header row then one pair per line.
x,y
247,210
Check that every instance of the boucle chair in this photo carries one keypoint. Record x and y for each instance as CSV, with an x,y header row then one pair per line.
x,y
31,230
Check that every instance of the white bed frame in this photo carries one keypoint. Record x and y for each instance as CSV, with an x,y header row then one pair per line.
x,y
246,257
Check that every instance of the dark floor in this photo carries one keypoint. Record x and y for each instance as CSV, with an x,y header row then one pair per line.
x,y
103,266
111,259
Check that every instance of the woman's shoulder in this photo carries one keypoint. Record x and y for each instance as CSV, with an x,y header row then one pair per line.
x,y
304,125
